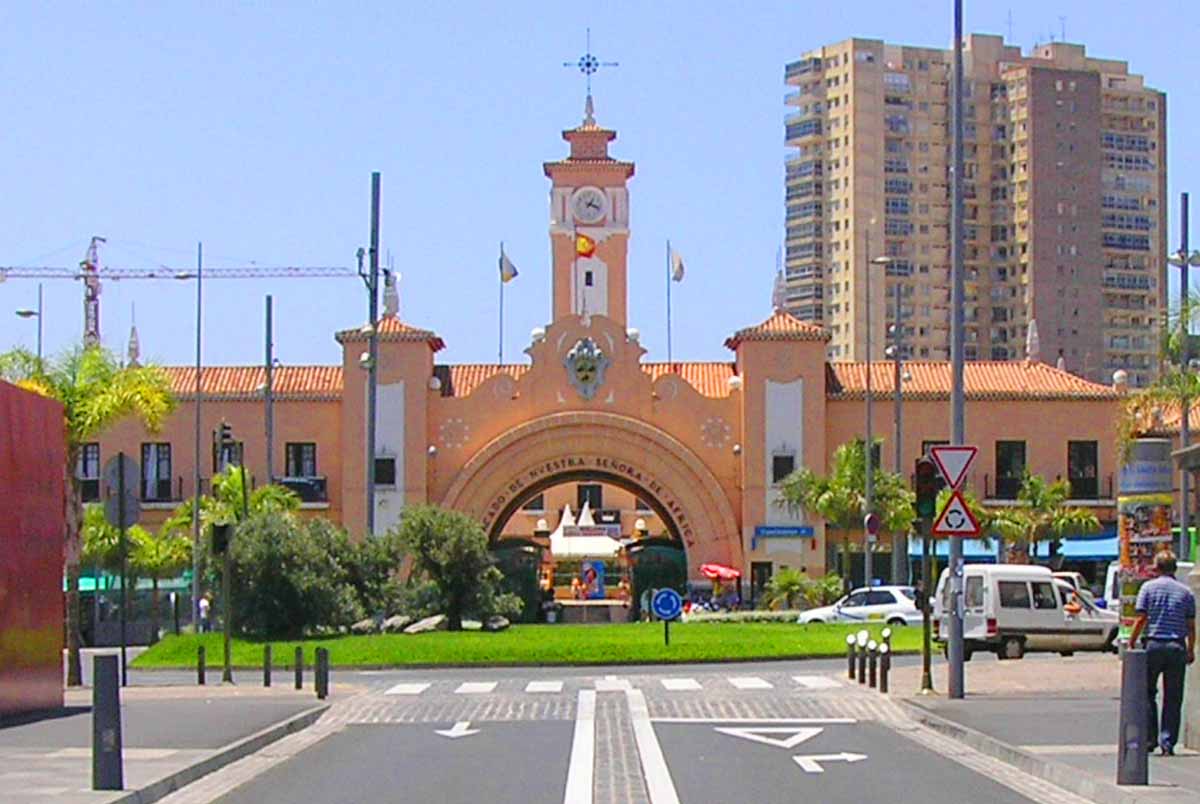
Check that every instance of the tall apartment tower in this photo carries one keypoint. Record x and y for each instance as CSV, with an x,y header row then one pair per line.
x,y
1064,192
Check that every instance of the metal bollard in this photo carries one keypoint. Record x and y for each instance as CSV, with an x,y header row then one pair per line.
x,y
200,665
886,636
861,640
299,668
872,663
322,673
850,643
885,666
107,769
267,665
1134,741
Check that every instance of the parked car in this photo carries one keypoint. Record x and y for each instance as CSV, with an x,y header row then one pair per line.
x,y
1112,582
894,605
1011,609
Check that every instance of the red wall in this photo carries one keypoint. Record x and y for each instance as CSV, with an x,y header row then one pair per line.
x,y
32,523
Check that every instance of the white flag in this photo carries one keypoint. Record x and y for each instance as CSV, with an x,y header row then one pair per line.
x,y
676,266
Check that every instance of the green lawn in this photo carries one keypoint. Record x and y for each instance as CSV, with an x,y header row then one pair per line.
x,y
630,643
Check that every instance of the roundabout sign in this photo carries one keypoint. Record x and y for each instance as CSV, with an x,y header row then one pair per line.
x,y
666,604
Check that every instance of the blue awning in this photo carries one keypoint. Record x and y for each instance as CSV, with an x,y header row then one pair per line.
x,y
1103,546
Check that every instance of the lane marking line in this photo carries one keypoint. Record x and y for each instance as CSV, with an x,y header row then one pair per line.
x,y
758,734
680,684
750,683
659,786
407,688
829,720
544,686
817,682
475,687
581,766
612,684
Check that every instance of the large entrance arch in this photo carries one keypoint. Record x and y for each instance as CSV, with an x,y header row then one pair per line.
x,y
621,450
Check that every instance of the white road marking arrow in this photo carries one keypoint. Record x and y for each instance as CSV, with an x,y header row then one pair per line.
x,y
797,734
460,729
811,763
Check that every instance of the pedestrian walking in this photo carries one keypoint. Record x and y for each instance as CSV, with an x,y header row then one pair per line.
x,y
205,605
1166,611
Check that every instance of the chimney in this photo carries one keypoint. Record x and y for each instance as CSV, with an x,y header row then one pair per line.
x,y
1120,380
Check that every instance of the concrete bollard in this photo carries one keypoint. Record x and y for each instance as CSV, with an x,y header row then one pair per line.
x,y
850,643
107,764
298,667
1134,740
872,663
885,666
200,665
267,665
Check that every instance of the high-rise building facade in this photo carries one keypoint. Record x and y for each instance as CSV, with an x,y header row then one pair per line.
x,y
1064,201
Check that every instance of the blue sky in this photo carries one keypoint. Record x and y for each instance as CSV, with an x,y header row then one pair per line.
x,y
254,128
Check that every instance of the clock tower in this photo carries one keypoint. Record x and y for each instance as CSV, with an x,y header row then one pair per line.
x,y
589,225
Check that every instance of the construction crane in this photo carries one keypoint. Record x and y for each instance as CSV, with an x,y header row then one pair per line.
x,y
92,273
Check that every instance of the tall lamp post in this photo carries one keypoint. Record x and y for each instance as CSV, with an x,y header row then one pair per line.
x,y
27,313
896,352
868,456
1182,260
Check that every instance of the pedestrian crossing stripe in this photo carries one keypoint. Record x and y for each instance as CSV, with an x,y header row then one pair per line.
x,y
750,683
407,689
817,682
680,684
475,687
544,686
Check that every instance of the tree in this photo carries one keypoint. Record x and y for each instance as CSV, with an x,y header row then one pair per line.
x,y
840,497
784,589
1040,513
160,556
96,391
450,550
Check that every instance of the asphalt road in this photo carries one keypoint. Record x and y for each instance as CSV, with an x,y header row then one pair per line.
x,y
761,732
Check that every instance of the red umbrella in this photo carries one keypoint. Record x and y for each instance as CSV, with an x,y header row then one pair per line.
x,y
719,572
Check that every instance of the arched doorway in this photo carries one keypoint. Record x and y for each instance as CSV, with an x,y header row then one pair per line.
x,y
622,451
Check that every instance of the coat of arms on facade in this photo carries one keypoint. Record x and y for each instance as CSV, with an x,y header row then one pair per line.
x,y
586,364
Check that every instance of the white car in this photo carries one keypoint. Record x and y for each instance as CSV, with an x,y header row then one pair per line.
x,y
894,605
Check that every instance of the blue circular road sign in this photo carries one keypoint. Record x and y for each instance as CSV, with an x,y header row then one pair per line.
x,y
666,604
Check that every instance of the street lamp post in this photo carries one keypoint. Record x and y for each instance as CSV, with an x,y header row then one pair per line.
x,y
27,313
869,491
1182,260
896,353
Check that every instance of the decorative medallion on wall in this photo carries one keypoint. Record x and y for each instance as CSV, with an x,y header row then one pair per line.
x,y
454,433
504,387
586,364
668,389
715,431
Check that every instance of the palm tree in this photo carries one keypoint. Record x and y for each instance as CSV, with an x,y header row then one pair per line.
x,y
96,391
159,557
784,589
1041,513
840,497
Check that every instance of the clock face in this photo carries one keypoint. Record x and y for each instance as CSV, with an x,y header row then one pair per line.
x,y
589,204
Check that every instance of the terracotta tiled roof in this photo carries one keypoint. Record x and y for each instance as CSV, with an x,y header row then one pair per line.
x,y
781,326
983,380
464,378
1167,423
244,382
710,379
392,330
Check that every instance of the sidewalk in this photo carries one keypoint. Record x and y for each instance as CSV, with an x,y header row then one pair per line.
x,y
1054,717
171,736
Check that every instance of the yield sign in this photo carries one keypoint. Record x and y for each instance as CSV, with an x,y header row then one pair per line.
x,y
956,519
758,734
953,462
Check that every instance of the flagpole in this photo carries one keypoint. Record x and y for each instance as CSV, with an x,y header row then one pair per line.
x,y
500,276
668,304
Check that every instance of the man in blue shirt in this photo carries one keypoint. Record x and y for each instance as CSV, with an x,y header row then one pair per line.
x,y
1166,611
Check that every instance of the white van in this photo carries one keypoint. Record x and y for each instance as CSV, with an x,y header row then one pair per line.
x,y
1009,609
1112,583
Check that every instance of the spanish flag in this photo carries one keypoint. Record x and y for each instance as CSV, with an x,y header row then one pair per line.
x,y
584,245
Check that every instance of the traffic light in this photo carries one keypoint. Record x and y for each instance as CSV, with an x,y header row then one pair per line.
x,y
224,435
928,482
220,538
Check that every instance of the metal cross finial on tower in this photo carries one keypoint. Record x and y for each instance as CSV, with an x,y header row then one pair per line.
x,y
588,65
